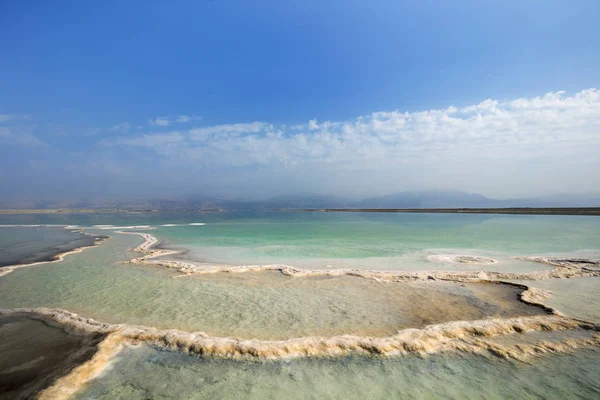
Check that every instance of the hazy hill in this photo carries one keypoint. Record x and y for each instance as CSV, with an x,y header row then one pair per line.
x,y
415,199
459,199
427,199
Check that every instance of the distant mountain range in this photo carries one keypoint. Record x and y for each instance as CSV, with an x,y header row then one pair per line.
x,y
459,199
431,199
427,199
414,199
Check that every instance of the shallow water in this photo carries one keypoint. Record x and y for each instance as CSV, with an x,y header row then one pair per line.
x,y
33,355
265,305
384,242
144,372
576,297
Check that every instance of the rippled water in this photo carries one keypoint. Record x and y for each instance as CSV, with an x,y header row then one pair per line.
x,y
144,372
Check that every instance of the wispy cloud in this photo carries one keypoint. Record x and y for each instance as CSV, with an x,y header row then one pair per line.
x,y
227,130
155,141
26,139
489,128
166,121
187,118
123,127
6,117
13,117
159,121
429,148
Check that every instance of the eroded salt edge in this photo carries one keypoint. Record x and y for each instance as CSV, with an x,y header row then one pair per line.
x,y
465,336
559,270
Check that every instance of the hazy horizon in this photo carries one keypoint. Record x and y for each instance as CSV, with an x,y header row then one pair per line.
x,y
432,198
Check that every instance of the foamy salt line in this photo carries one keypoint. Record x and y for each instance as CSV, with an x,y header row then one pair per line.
x,y
559,271
57,258
464,336
112,227
461,259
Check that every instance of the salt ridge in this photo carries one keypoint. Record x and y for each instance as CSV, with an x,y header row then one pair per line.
x,y
559,270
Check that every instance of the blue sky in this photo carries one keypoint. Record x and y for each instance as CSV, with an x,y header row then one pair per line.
x,y
95,95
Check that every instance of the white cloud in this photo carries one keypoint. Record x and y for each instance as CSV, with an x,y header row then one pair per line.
x,y
187,118
155,141
549,120
476,145
122,127
166,121
228,130
159,121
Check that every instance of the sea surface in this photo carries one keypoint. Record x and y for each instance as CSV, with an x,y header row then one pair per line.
x,y
99,283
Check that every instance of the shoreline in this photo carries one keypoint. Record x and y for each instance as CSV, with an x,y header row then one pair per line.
x,y
446,210
508,210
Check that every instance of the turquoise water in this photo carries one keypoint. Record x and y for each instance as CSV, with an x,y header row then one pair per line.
x,y
391,242
356,240
143,373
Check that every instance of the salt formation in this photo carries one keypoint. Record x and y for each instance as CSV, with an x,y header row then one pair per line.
x,y
152,256
467,336
461,259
